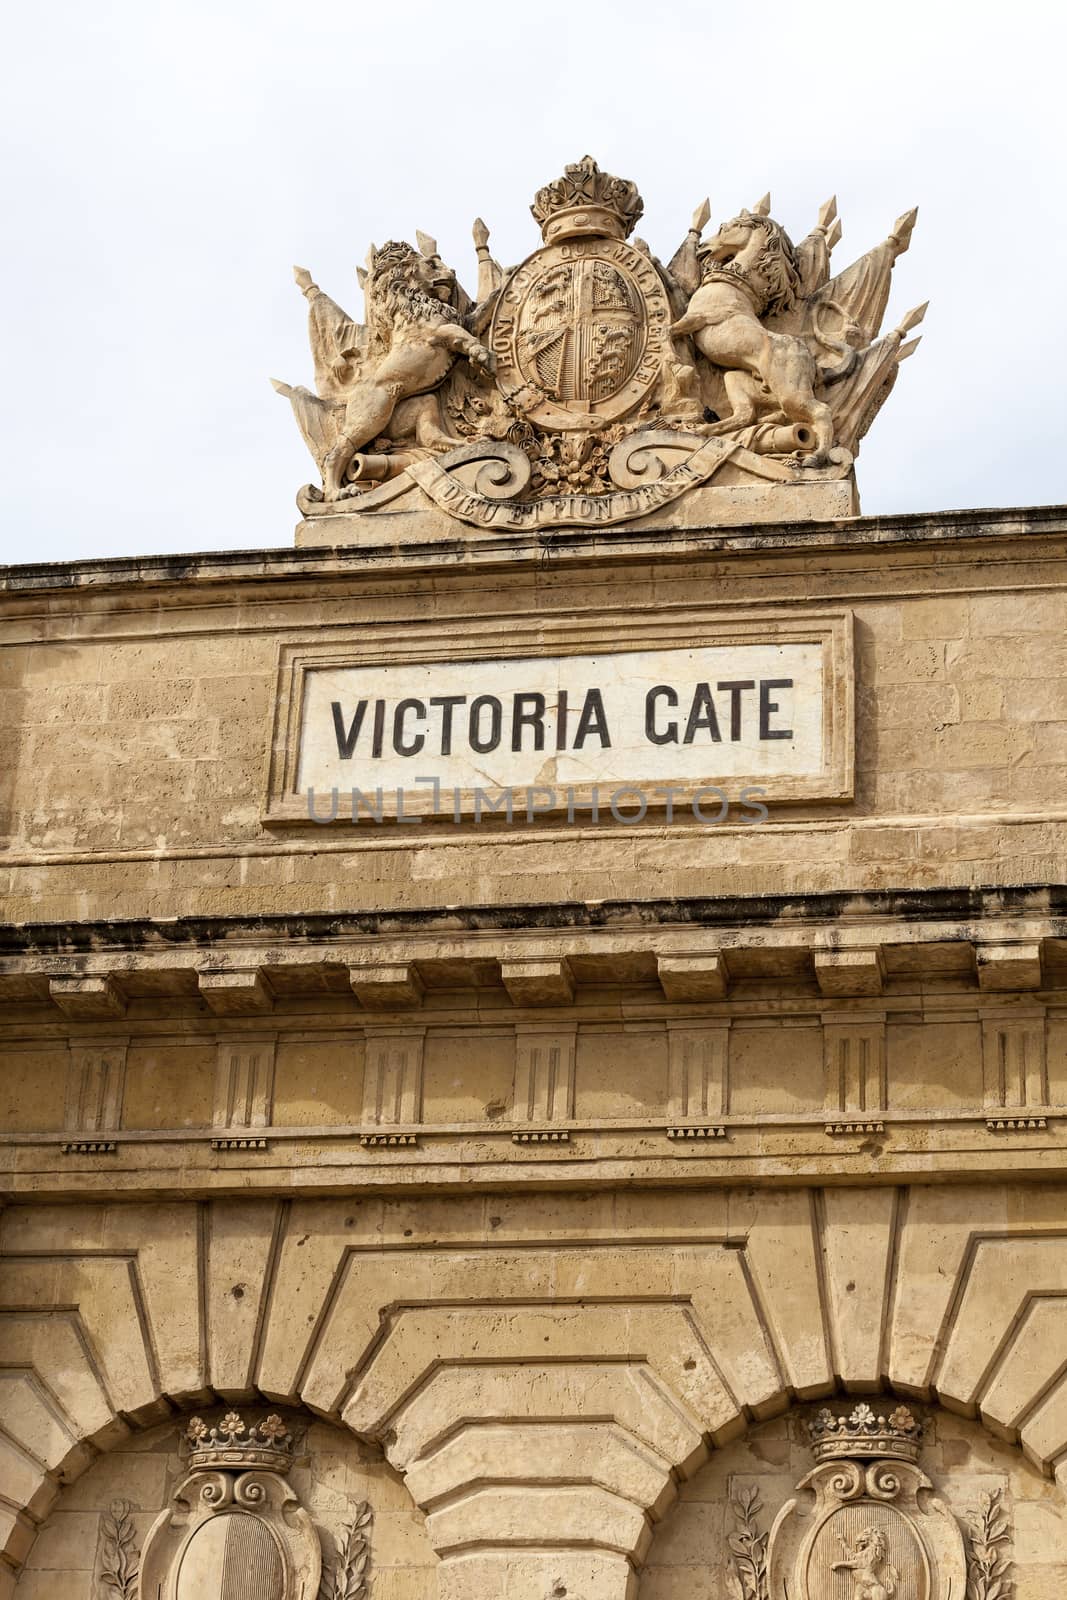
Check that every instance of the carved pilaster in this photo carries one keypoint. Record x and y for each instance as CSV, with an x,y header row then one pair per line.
x,y
244,1083
392,1083
544,1073
95,1082
1014,1071
854,1063
698,1070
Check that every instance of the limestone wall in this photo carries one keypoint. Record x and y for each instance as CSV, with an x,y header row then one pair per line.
x,y
631,1082
550,1175
136,720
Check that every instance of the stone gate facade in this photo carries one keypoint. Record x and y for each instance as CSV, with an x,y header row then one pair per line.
x,y
533,1061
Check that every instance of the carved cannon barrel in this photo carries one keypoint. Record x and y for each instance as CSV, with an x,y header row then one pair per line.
x,y
783,441
376,469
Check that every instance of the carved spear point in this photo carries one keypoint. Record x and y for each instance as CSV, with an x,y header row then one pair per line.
x,y
426,244
902,227
913,318
827,211
833,234
304,280
701,217
762,208
480,234
909,349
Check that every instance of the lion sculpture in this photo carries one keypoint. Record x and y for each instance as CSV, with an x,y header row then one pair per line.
x,y
409,345
873,1575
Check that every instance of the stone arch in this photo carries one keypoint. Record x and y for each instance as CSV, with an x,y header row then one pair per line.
x,y
544,1370
125,1487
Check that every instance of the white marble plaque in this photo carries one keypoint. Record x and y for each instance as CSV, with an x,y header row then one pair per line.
x,y
692,716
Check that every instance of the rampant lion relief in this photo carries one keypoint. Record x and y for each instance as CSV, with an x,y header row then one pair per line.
x,y
592,384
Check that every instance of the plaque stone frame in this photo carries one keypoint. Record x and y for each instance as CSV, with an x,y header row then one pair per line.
x,y
489,640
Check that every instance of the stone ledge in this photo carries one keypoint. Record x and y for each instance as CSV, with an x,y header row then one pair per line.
x,y
847,948
458,554
856,909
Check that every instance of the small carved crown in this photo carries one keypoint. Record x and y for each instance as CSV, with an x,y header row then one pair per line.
x,y
863,1435
268,1445
587,202
394,253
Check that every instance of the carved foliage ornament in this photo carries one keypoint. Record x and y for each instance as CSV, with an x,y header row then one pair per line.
x,y
743,358
346,1578
866,1524
989,1562
234,1528
119,1559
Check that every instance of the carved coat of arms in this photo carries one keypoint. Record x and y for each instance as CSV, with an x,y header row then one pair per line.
x,y
865,1524
592,384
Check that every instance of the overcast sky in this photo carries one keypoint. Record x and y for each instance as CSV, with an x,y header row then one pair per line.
x,y
166,163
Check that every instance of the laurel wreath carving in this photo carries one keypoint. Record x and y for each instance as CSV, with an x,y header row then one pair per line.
x,y
120,1559
348,1578
989,1562
749,1545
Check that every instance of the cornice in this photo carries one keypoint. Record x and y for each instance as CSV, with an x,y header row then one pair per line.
x,y
954,906
567,547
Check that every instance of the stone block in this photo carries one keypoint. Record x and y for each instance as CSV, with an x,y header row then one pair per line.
x,y
1009,966
88,999
849,973
702,977
387,986
536,982
234,993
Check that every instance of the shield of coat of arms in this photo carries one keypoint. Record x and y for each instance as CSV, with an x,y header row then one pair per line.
x,y
235,1557
580,332
864,1548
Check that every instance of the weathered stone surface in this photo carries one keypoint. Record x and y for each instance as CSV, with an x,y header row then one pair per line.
x,y
542,1171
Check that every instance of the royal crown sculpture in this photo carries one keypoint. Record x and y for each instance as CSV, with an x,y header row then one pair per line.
x,y
592,386
233,1446
864,1435
233,1524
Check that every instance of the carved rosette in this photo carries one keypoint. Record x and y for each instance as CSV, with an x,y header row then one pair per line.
x,y
234,1528
866,1523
